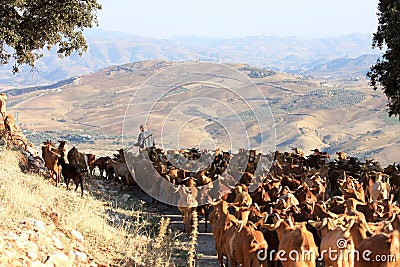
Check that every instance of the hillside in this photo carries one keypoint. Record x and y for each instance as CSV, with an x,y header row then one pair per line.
x,y
334,115
345,66
45,225
290,54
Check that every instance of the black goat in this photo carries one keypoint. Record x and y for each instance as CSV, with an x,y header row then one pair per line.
x,y
72,172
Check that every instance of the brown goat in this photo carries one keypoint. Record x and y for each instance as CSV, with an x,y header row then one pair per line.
x,y
9,125
51,162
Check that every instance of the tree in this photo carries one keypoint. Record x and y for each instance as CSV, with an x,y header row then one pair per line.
x,y
28,26
385,74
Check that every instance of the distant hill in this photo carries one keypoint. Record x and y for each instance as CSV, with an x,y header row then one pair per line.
x,y
344,67
289,54
309,112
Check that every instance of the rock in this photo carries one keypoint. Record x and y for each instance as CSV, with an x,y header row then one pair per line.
x,y
125,198
60,235
16,263
59,260
37,264
77,235
3,144
32,250
51,228
78,256
24,236
10,254
79,246
32,235
57,242
12,236
38,225
20,243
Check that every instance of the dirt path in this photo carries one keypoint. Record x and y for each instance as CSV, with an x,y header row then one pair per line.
x,y
206,254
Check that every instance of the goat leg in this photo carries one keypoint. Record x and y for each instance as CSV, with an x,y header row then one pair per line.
x,y
206,213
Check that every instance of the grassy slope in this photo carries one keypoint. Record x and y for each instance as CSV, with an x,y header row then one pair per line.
x,y
136,238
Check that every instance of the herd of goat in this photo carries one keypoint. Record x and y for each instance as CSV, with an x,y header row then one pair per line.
x,y
74,165
299,209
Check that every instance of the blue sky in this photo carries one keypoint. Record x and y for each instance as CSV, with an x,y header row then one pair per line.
x,y
238,18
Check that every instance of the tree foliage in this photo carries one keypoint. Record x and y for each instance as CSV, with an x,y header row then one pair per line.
x,y
27,26
385,74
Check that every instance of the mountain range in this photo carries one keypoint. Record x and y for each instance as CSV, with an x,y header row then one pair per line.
x,y
101,112
346,56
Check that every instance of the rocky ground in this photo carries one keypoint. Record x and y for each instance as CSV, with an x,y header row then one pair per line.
x,y
37,243
33,230
33,242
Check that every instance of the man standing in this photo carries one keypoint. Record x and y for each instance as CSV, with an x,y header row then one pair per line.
x,y
145,139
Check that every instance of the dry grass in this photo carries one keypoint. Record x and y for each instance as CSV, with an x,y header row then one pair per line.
x,y
191,261
138,239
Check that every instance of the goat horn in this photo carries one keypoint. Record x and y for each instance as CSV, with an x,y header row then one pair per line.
x,y
240,225
393,217
270,210
214,203
351,223
177,188
252,224
266,218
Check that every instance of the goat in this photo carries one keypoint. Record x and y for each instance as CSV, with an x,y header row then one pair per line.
x,y
91,158
72,172
62,149
78,159
9,125
50,160
121,170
